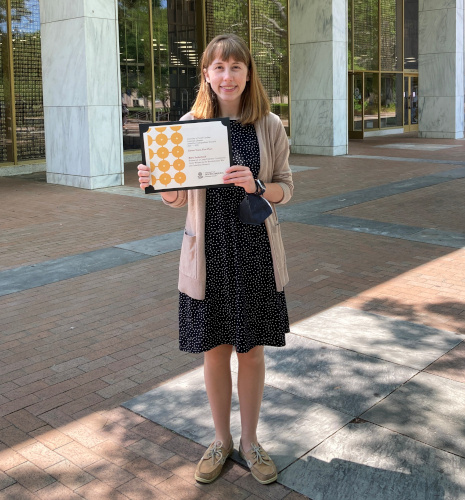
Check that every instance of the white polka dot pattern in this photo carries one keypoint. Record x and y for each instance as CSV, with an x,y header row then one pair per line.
x,y
241,306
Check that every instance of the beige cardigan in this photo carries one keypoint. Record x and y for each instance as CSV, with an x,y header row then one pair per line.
x,y
274,167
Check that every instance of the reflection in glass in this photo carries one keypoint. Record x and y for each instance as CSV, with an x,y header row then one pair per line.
x,y
135,47
391,35
358,102
27,67
270,51
183,53
410,100
269,45
414,100
371,101
411,34
6,109
161,57
365,34
350,48
224,16
391,100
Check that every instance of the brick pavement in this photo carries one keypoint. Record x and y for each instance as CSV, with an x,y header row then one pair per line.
x,y
73,351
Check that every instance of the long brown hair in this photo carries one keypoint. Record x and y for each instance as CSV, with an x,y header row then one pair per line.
x,y
254,101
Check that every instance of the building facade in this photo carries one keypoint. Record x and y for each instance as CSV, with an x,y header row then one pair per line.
x,y
78,77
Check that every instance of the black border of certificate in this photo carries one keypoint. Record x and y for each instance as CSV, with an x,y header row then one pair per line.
x,y
143,127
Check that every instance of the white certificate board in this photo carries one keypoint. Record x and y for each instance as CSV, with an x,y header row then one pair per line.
x,y
186,155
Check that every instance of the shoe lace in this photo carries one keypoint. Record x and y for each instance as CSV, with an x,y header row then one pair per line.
x,y
260,455
215,452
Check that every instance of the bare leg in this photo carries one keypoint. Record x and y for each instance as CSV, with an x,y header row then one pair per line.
x,y
217,372
250,384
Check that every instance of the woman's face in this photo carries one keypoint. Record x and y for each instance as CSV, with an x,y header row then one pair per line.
x,y
228,80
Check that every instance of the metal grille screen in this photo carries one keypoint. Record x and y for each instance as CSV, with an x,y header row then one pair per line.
x,y
28,80
226,16
269,48
5,104
268,37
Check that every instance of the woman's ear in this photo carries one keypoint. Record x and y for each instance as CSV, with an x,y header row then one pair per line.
x,y
205,76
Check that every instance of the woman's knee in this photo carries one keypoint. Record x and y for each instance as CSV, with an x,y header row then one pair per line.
x,y
254,357
218,355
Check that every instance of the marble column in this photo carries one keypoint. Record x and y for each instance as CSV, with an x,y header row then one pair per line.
x,y
82,92
440,64
318,66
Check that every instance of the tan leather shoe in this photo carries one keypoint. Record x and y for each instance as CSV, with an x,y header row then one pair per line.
x,y
260,464
210,465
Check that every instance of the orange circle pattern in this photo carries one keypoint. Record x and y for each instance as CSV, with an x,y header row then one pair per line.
x,y
180,177
162,152
178,151
161,139
179,164
176,138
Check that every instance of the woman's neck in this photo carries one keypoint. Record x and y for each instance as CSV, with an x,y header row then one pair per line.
x,y
233,112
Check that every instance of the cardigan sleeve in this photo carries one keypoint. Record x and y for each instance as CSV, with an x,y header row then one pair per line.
x,y
281,171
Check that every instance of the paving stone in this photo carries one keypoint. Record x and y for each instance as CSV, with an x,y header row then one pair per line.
x,y
15,438
221,489
96,490
78,454
333,377
140,490
18,492
5,481
44,273
115,453
150,451
109,473
273,491
50,437
31,477
403,342
301,426
156,245
349,234
367,462
147,471
69,474
176,487
451,365
57,491
427,408
40,455
9,458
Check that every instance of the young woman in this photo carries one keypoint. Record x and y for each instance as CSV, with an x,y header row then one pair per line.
x,y
231,274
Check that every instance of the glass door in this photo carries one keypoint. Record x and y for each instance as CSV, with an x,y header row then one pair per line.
x,y
410,103
356,91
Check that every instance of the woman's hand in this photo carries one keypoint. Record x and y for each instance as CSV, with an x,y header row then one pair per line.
x,y
144,181
240,176
144,176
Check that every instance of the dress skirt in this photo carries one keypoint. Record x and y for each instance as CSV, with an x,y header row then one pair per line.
x,y
241,307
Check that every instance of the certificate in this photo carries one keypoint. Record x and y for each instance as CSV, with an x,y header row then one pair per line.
x,y
186,155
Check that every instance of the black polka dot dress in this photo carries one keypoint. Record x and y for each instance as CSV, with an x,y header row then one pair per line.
x,y
241,306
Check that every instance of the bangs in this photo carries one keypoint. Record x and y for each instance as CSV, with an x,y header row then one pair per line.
x,y
225,49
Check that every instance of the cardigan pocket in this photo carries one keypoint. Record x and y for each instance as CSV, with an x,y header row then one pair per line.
x,y
188,259
277,246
